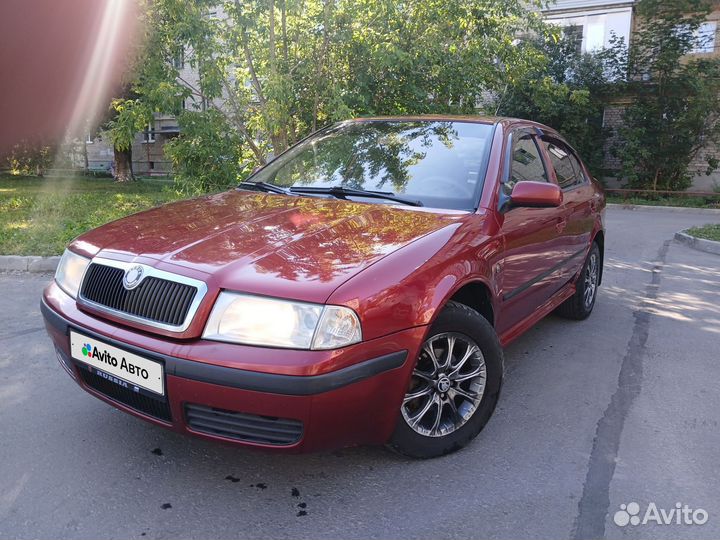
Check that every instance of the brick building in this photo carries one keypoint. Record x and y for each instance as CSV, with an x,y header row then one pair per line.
x,y
592,22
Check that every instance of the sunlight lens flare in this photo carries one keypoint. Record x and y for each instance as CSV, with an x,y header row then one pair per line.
x,y
94,88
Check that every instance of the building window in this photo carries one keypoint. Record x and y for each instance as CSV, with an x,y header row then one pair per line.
x,y
179,59
88,138
149,134
152,165
594,29
573,33
705,38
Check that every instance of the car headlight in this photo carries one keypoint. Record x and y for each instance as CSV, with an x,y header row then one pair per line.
x,y
258,320
70,272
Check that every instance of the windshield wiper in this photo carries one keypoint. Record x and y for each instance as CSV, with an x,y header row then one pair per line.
x,y
264,186
344,192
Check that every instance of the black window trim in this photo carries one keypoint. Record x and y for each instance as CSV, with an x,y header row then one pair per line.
x,y
536,134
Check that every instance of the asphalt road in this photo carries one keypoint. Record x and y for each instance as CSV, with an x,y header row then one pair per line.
x,y
623,407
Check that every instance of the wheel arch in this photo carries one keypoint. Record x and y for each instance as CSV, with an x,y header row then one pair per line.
x,y
476,295
599,239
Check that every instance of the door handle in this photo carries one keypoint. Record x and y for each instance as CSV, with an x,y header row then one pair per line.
x,y
561,224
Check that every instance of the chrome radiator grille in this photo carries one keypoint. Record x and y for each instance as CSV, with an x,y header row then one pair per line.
x,y
157,301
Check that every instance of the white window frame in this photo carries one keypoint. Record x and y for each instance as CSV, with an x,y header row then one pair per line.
x,y
149,134
585,18
706,31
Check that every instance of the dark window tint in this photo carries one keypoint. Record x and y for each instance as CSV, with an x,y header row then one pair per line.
x,y
568,170
526,163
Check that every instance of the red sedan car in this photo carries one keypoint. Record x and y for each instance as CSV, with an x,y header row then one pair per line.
x,y
358,289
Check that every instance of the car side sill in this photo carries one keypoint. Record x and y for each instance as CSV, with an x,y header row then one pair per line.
x,y
543,311
525,286
292,385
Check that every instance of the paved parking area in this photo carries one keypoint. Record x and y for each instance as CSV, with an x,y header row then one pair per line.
x,y
621,408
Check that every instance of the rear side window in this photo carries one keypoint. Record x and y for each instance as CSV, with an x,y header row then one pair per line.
x,y
526,163
568,170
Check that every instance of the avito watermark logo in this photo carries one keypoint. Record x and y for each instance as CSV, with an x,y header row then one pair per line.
x,y
680,514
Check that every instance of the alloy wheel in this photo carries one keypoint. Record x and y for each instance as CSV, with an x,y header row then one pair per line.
x,y
590,278
447,385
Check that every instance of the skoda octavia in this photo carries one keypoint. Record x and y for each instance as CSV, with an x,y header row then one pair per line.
x,y
358,289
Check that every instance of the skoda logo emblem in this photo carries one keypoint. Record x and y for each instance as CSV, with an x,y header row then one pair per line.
x,y
133,276
444,384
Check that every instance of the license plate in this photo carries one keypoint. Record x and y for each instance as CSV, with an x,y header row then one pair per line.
x,y
129,367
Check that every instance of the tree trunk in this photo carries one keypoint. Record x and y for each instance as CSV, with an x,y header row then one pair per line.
x,y
85,156
123,165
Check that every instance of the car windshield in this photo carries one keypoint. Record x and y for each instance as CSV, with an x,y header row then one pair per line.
x,y
442,164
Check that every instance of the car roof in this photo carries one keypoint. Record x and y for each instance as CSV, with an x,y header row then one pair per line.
x,y
507,122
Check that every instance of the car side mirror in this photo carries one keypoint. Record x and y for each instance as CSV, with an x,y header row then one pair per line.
x,y
536,195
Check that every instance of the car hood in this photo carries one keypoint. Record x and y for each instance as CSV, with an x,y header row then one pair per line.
x,y
265,243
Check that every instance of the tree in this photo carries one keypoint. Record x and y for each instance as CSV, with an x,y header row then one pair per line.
x,y
207,156
275,70
566,90
675,103
130,116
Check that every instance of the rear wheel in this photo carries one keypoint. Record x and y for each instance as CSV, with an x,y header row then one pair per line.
x,y
454,387
580,305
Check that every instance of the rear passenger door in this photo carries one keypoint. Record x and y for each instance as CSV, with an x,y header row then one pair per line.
x,y
574,181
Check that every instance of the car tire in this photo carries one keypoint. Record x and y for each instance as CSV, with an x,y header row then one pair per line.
x,y
580,305
461,412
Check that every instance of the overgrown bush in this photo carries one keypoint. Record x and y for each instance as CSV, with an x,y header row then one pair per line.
x,y
29,159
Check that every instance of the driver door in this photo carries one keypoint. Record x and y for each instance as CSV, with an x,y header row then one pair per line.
x,y
531,265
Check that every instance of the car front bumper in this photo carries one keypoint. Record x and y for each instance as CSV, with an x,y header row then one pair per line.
x,y
299,401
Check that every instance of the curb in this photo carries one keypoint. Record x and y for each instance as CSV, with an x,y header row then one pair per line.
x,y
28,263
708,246
648,208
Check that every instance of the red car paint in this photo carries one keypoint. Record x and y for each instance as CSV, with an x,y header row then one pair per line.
x,y
396,266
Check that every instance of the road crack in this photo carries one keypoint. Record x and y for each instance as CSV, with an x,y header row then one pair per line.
x,y
594,504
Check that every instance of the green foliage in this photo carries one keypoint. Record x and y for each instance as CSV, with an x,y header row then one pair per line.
x,y
275,70
436,56
675,99
29,159
207,154
565,90
41,216
131,116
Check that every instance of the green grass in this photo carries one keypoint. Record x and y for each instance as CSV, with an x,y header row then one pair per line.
x,y
40,216
690,202
708,232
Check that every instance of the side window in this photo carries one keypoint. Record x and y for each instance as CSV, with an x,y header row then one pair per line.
x,y
526,163
568,170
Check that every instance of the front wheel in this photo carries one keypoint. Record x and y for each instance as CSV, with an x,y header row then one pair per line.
x,y
454,387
